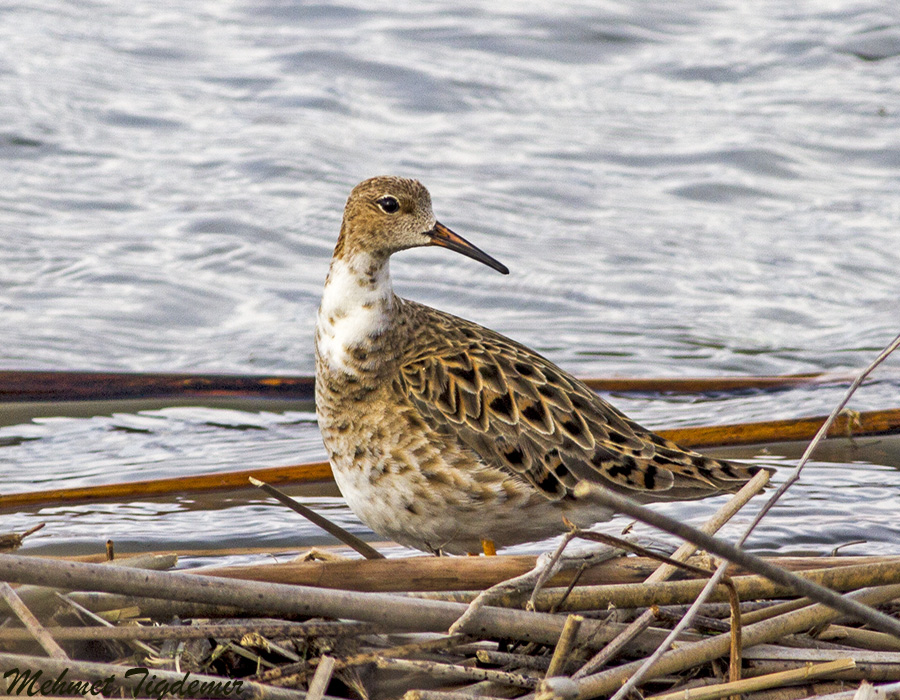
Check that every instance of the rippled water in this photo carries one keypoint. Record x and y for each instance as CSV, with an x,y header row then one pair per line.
x,y
678,189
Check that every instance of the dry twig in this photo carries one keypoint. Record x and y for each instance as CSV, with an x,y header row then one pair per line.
x,y
321,679
714,692
565,644
11,541
348,538
455,672
32,624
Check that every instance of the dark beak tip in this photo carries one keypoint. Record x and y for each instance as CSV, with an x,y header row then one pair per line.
x,y
445,238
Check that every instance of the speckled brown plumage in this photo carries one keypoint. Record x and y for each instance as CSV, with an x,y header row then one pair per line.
x,y
441,432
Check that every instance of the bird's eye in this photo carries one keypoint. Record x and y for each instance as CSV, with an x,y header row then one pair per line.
x,y
388,204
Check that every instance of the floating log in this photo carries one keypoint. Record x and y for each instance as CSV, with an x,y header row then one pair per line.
x,y
170,486
106,386
29,394
31,385
865,424
426,573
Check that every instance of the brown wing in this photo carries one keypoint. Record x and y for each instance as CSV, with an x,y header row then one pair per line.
x,y
521,413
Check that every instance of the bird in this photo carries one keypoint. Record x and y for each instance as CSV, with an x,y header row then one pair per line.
x,y
450,438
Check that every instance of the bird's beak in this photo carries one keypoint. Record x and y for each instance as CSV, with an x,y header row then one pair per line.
x,y
445,238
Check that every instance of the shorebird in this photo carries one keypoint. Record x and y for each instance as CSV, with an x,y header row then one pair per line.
x,y
446,436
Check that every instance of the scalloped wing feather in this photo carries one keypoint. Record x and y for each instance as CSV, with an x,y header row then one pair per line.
x,y
521,413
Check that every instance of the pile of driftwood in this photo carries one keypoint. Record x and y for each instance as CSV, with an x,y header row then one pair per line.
x,y
571,624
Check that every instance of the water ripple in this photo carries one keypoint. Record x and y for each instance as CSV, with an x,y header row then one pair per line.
x,y
677,191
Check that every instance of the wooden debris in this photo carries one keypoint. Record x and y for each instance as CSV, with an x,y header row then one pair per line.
x,y
321,679
564,645
36,385
11,541
34,627
435,665
235,630
176,485
394,612
454,672
331,528
713,692
600,582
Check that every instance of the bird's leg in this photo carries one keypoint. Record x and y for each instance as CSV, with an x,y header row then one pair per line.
x,y
487,546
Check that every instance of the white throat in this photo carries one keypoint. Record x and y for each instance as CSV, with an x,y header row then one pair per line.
x,y
355,307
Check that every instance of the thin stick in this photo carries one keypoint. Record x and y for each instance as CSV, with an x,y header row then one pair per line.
x,y
734,665
439,644
183,632
551,566
566,593
613,541
865,639
321,679
293,673
713,692
638,595
823,431
32,624
13,540
116,607
442,695
776,652
556,562
715,523
863,671
565,644
454,672
777,609
513,660
348,538
81,610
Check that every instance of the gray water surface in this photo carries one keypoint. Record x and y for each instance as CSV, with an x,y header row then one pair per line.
x,y
678,188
